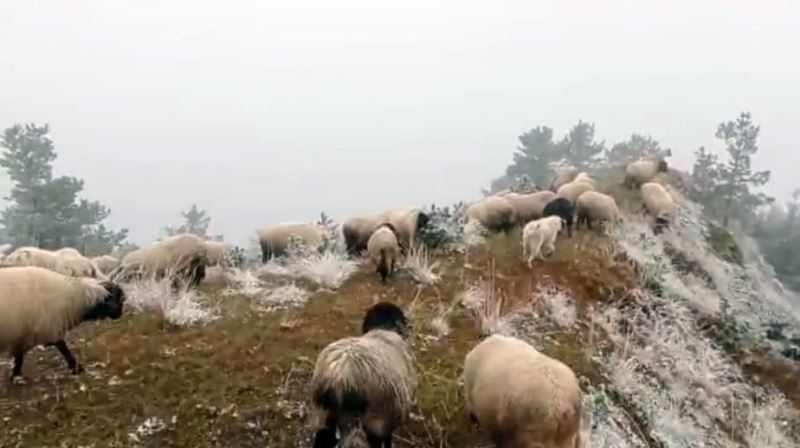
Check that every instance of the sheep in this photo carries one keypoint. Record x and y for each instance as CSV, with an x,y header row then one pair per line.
x,y
275,239
644,171
522,397
105,263
217,252
364,386
562,208
408,223
180,258
384,250
584,177
563,176
39,307
64,261
493,213
528,207
659,204
572,190
538,236
596,207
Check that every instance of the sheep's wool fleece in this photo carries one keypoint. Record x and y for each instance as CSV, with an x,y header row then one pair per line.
x,y
378,366
385,239
39,306
105,263
573,190
642,171
658,201
216,252
174,254
514,390
405,223
64,261
563,176
492,213
597,206
529,206
277,236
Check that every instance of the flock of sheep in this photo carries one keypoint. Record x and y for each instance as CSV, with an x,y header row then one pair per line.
x,y
362,387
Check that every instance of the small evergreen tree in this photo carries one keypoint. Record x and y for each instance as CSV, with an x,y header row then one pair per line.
x,y
534,156
45,211
579,148
195,222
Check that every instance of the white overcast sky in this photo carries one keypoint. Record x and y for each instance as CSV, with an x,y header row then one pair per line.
x,y
274,111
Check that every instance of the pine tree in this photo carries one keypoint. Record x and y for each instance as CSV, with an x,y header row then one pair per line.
x,y
736,176
534,156
195,222
638,146
579,147
44,211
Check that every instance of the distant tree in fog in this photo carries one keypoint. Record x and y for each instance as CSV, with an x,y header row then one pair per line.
x,y
195,222
45,211
638,146
579,149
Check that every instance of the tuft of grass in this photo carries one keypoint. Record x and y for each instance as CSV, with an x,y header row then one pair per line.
x,y
421,267
179,306
327,269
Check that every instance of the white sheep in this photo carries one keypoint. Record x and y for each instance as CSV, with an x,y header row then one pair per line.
x,y
492,213
528,207
522,397
384,250
64,261
593,206
106,263
358,229
178,258
217,252
39,307
643,171
659,204
539,237
572,190
275,239
584,177
563,176
364,386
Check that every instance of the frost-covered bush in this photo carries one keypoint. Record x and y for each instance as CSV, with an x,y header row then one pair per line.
x,y
329,269
179,306
559,306
445,230
420,267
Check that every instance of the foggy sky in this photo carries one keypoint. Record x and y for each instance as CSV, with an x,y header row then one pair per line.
x,y
265,112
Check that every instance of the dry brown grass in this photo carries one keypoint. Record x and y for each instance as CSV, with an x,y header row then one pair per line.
x,y
241,380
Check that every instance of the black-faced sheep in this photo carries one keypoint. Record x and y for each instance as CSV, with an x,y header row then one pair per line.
x,y
494,213
573,190
562,208
644,171
563,176
407,223
39,307
64,261
364,386
180,258
528,207
593,207
539,237
520,396
659,204
384,250
275,239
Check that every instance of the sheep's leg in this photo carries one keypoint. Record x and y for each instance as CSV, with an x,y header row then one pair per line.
x,y
387,442
72,364
19,358
375,441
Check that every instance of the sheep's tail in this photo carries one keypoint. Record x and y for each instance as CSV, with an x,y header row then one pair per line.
x,y
383,265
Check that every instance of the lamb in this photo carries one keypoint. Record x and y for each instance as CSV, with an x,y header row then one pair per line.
x,y
105,263
522,397
538,236
364,386
64,261
562,208
407,223
384,250
493,213
644,171
275,239
528,207
596,207
572,190
659,204
563,176
179,258
39,307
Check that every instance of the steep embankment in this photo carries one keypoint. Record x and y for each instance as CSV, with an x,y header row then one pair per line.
x,y
668,339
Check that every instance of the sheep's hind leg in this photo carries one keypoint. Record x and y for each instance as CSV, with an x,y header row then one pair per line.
x,y
376,442
72,364
19,359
